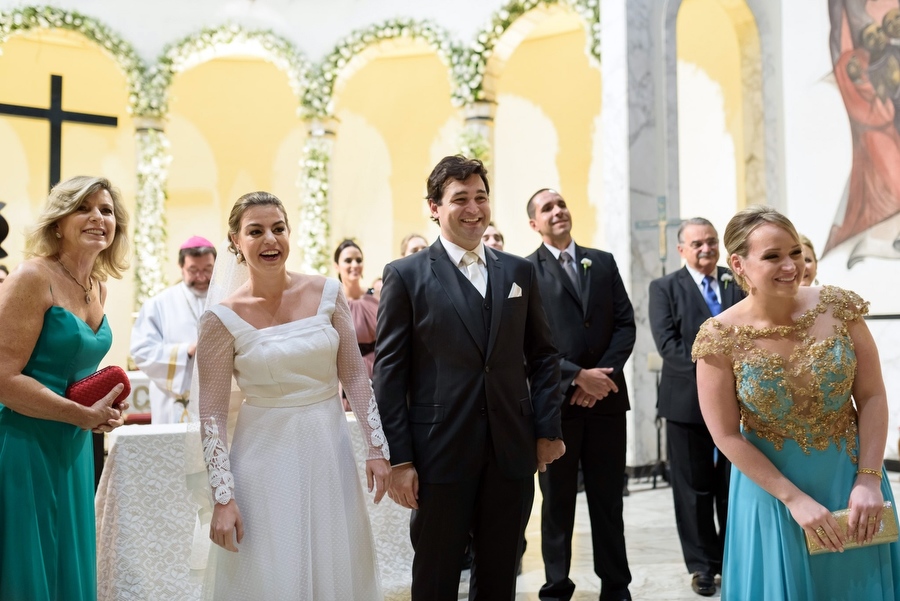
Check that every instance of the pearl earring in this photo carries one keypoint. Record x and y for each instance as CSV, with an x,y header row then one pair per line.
x,y
58,235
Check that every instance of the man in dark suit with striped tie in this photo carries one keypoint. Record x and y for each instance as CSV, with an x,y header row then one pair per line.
x,y
679,304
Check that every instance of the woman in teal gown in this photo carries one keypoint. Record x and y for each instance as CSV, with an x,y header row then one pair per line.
x,y
55,333
791,389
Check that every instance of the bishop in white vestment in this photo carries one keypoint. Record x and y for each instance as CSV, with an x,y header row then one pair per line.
x,y
164,336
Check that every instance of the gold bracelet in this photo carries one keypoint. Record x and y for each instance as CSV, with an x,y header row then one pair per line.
x,y
865,470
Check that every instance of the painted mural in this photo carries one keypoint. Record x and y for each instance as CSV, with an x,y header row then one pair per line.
x,y
865,53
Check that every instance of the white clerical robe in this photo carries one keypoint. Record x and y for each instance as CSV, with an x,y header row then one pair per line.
x,y
165,327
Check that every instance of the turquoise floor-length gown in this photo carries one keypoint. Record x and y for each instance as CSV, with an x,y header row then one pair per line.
x,y
798,410
47,533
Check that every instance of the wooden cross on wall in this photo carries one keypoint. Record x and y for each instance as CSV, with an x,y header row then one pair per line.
x,y
661,224
56,116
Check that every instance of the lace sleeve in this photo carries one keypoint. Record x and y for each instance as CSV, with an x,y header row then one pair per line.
x,y
710,340
355,379
215,365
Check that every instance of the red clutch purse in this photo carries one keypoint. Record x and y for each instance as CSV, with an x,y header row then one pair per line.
x,y
91,389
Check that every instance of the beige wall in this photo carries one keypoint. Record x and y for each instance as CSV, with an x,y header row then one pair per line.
x,y
233,129
546,132
396,121
92,83
710,112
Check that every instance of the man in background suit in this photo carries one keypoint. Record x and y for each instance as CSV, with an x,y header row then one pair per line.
x,y
679,304
467,382
593,328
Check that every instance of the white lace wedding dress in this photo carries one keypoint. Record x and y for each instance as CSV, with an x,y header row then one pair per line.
x,y
290,466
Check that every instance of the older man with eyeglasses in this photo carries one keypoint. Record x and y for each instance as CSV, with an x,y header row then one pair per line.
x,y
164,336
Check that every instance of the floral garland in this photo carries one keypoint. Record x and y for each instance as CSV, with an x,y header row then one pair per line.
x,y
208,44
471,64
21,20
315,229
318,99
153,160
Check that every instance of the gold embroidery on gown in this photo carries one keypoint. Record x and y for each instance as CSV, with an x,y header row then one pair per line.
x,y
795,382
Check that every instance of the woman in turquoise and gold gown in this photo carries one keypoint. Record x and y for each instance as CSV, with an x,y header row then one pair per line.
x,y
55,333
791,389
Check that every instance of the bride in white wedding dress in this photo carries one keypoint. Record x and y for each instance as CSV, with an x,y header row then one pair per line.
x,y
289,520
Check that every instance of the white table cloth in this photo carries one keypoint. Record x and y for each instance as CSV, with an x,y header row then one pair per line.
x,y
145,520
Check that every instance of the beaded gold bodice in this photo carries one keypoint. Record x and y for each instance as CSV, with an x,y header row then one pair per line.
x,y
794,382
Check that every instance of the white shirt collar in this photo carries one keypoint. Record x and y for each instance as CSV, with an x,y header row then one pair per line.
x,y
456,252
698,277
556,251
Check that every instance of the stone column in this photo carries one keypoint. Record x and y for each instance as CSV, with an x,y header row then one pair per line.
x,y
150,235
640,165
314,231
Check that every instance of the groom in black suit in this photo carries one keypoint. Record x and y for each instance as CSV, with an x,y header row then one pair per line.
x,y
467,382
679,304
593,327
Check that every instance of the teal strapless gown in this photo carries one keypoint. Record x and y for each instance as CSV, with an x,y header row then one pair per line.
x,y
47,533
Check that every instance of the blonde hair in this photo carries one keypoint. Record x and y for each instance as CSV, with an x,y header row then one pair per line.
x,y
738,231
807,242
64,199
409,238
247,201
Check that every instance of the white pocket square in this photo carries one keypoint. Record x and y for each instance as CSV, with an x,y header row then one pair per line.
x,y
515,291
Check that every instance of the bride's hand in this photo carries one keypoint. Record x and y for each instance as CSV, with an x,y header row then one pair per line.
x,y
378,472
226,521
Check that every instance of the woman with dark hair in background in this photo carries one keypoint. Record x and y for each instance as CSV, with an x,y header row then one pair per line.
x,y
348,263
55,333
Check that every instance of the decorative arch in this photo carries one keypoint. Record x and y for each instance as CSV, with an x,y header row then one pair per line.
x,y
759,125
29,18
479,66
349,53
223,41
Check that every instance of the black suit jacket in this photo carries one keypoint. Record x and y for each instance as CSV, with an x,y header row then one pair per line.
x,y
677,310
446,396
592,329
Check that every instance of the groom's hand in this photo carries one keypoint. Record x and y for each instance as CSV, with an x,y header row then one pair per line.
x,y
549,451
404,489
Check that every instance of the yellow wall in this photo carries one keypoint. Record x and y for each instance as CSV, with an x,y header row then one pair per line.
x,y
233,129
92,83
706,37
549,103
395,117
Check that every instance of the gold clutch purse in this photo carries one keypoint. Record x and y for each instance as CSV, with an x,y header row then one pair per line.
x,y
886,533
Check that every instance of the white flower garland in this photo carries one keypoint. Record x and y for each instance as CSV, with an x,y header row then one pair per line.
x,y
318,99
150,235
314,228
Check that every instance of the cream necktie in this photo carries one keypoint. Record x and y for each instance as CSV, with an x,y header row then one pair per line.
x,y
470,261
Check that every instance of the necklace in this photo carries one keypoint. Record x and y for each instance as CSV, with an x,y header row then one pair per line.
x,y
87,291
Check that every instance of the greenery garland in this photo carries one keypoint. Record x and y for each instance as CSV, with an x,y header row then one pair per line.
x,y
471,64
27,18
318,98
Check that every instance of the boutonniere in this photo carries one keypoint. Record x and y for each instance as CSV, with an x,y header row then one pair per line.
x,y
585,263
726,278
